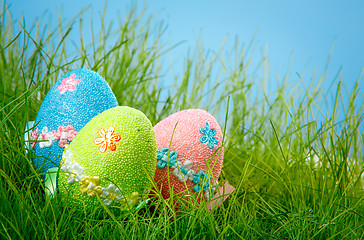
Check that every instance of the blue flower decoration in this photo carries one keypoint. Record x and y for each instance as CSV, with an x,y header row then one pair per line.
x,y
208,136
202,180
162,156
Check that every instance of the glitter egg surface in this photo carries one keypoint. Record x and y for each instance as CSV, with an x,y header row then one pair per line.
x,y
72,102
112,160
190,153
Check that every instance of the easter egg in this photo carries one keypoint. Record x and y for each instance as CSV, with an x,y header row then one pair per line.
x,y
72,102
111,160
190,153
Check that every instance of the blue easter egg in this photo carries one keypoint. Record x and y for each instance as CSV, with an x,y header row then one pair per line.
x,y
69,105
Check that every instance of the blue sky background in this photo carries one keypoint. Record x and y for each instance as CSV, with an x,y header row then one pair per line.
x,y
303,30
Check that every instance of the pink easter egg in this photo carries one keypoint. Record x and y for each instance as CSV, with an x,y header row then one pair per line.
x,y
190,162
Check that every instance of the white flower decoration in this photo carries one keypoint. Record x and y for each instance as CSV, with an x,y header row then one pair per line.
x,y
66,160
64,135
46,135
111,194
183,172
72,169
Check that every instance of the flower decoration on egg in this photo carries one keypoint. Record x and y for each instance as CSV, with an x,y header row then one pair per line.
x,y
202,180
68,84
184,171
72,169
208,136
46,138
63,134
90,186
162,156
110,194
34,136
107,139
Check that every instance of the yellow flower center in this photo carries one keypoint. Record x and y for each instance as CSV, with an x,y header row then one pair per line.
x,y
90,186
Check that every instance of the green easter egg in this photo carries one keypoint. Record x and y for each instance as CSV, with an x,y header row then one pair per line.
x,y
110,161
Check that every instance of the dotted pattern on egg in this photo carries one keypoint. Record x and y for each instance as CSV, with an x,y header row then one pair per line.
x,y
191,144
128,163
72,102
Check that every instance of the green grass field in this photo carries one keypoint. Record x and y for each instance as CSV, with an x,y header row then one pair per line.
x,y
295,177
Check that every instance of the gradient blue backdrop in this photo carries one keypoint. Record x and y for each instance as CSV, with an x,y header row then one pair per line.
x,y
303,30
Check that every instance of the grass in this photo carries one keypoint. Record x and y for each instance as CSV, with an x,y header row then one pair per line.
x,y
297,169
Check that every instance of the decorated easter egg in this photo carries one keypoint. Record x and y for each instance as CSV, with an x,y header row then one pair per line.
x,y
111,160
190,153
72,102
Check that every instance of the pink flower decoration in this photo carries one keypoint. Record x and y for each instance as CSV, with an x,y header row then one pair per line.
x,y
57,133
62,142
68,84
44,136
35,134
63,134
71,132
